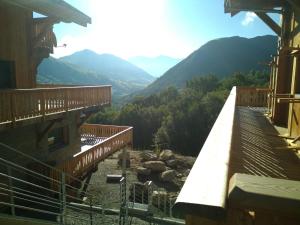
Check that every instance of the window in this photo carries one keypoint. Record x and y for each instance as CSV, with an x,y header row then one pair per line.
x,y
7,74
58,138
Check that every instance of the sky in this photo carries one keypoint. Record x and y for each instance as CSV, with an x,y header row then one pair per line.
x,y
175,28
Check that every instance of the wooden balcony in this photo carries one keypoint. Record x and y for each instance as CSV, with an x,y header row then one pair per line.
x,y
98,142
244,166
24,104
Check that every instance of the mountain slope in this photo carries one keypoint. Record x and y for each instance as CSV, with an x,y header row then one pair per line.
x,y
221,57
113,67
156,66
54,71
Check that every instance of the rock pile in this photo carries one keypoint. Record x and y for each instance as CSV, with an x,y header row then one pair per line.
x,y
167,166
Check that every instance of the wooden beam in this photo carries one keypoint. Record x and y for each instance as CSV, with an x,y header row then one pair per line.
x,y
277,196
295,139
46,130
268,20
288,100
295,5
288,148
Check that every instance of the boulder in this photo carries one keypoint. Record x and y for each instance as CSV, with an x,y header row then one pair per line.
x,y
155,166
168,176
143,171
161,199
166,155
186,173
183,179
189,161
179,175
172,163
148,155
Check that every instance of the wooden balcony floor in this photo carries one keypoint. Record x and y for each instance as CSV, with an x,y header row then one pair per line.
x,y
258,150
88,142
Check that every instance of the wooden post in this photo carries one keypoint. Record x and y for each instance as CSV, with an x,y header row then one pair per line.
x,y
63,197
66,99
13,107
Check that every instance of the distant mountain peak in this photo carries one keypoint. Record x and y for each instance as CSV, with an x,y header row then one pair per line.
x,y
221,57
109,65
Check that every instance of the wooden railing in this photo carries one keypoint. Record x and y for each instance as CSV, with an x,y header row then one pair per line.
x,y
96,130
205,191
20,104
117,137
248,96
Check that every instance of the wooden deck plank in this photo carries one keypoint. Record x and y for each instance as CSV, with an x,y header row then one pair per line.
x,y
264,193
255,152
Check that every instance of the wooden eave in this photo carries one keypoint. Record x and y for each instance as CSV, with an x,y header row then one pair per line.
x,y
57,9
234,6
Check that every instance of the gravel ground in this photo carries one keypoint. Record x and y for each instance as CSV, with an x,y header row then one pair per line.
x,y
108,195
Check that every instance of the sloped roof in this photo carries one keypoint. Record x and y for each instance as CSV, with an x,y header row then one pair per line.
x,y
58,9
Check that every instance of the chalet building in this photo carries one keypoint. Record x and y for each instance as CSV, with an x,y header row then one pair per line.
x,y
42,128
248,171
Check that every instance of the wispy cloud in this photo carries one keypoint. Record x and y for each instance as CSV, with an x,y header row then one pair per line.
x,y
249,18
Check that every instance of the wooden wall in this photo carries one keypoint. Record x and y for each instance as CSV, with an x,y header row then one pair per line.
x,y
15,43
294,108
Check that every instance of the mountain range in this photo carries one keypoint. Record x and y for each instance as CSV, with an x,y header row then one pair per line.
x,y
156,66
89,68
221,57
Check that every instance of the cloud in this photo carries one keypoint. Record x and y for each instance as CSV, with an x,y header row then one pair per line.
x,y
249,18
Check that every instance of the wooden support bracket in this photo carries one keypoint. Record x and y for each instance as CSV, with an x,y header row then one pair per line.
x,y
288,100
46,130
270,22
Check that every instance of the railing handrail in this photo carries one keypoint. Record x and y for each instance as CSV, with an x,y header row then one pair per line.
x,y
37,161
24,104
50,88
105,125
252,96
18,197
106,139
59,179
87,159
205,190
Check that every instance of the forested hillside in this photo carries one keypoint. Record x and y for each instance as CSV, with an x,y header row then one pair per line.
x,y
180,120
221,57
112,66
54,71
89,68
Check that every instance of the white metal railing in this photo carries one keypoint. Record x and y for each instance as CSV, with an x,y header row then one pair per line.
x,y
24,191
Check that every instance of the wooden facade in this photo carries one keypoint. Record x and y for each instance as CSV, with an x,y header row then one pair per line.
x,y
45,122
248,172
25,40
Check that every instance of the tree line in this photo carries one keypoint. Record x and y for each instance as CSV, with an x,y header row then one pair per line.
x,y
178,119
